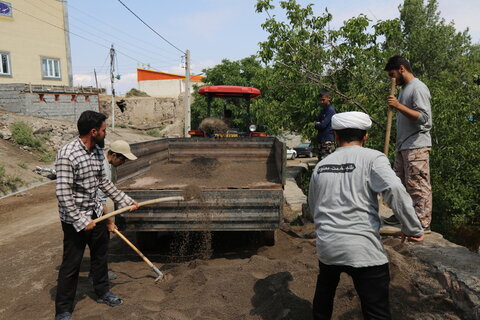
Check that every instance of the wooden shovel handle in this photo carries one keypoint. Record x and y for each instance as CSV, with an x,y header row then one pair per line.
x,y
150,264
140,204
389,118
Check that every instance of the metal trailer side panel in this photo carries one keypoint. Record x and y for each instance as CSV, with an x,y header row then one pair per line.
x,y
216,210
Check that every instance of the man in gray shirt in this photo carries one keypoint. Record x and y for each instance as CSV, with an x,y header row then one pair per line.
x,y
343,199
413,142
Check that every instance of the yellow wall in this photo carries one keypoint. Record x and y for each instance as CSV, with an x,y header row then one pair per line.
x,y
27,39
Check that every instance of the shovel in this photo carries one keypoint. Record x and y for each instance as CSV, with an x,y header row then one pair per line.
x,y
389,118
150,264
140,204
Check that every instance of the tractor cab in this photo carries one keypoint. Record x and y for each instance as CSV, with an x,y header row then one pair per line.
x,y
227,92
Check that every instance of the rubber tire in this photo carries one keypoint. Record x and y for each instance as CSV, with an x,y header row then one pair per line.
x,y
146,240
270,237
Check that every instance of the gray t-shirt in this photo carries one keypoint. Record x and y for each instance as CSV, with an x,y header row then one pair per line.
x,y
108,172
343,199
414,134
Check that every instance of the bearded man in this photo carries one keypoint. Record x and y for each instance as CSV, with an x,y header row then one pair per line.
x,y
413,140
80,176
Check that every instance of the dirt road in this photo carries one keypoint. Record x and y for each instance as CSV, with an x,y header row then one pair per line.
x,y
242,280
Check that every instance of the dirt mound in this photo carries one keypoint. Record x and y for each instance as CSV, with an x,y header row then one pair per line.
x,y
201,167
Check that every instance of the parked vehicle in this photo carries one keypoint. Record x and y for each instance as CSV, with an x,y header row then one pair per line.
x,y
305,150
291,153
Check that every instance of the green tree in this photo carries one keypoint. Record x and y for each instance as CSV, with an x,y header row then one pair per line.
x,y
304,55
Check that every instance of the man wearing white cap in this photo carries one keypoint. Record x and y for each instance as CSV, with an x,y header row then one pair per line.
x,y
118,153
343,199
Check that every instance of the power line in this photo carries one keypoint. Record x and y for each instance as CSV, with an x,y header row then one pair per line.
x,y
134,51
150,27
122,31
99,44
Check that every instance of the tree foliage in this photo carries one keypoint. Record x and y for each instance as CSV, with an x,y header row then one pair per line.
x,y
304,55
244,72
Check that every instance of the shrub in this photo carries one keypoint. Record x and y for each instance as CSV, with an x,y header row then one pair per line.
x,y
46,156
136,93
153,133
23,135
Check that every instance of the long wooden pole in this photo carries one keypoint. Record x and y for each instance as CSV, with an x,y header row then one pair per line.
x,y
150,264
141,204
389,118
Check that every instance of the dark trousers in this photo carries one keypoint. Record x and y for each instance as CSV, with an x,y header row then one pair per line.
x,y
73,248
371,284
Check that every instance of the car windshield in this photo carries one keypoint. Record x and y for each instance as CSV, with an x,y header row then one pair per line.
x,y
303,145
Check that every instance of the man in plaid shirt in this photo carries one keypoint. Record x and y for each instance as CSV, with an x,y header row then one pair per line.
x,y
80,176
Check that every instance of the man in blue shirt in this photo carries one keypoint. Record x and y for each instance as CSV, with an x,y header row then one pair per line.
x,y
323,123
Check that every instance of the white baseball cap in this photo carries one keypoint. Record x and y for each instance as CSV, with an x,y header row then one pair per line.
x,y
123,148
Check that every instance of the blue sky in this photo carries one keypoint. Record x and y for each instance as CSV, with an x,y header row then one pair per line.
x,y
211,29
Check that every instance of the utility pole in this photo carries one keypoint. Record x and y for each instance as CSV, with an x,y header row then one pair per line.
x,y
187,93
112,79
96,81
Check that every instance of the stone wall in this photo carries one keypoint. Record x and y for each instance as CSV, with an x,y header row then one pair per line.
x,y
56,102
166,114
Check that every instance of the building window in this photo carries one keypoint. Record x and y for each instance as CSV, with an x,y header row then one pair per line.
x,y
5,64
5,9
51,68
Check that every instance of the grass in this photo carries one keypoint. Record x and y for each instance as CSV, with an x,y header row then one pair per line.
x,y
136,93
22,135
46,157
153,133
22,165
9,183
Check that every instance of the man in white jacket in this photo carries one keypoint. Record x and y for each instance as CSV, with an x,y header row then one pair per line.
x,y
343,199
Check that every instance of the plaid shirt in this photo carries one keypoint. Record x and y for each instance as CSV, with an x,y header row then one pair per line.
x,y
80,175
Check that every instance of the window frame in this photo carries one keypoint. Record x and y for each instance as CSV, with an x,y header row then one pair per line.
x,y
9,64
48,72
10,14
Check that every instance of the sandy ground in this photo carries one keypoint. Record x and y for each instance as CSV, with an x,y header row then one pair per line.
x,y
243,279
206,173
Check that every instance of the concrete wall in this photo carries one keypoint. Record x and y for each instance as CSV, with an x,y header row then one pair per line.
x,y
164,88
27,40
48,103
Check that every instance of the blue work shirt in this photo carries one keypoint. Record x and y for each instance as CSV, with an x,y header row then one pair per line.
x,y
325,132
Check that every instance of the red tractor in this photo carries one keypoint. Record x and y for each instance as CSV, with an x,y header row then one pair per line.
x,y
229,92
